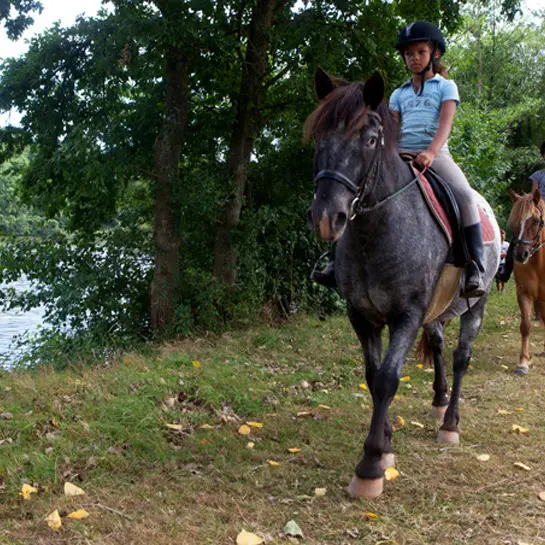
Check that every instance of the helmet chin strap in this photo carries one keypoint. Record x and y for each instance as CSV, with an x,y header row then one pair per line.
x,y
424,72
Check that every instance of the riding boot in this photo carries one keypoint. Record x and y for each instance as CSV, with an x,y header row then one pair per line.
x,y
327,276
474,285
507,269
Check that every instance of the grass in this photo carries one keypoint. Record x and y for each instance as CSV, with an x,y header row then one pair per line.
x,y
105,429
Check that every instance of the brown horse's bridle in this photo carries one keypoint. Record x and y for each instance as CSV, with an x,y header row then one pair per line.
x,y
534,244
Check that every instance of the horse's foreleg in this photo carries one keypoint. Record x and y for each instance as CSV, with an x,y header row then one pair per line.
x,y
368,481
371,342
434,331
526,308
470,323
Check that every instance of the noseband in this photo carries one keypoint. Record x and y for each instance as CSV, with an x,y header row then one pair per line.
x,y
534,244
360,189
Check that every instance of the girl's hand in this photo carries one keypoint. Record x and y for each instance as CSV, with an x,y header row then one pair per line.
x,y
425,159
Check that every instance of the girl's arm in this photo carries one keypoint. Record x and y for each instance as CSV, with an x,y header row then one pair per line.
x,y
446,117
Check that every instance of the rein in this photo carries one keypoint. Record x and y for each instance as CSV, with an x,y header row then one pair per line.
x,y
534,244
359,189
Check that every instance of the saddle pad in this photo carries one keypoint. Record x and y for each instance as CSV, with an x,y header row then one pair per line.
x,y
442,218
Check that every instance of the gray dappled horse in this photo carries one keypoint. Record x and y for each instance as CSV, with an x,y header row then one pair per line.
x,y
389,258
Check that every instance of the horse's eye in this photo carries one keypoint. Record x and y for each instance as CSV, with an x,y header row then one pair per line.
x,y
372,142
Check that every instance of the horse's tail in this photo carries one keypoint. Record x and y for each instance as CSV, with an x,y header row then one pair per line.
x,y
423,352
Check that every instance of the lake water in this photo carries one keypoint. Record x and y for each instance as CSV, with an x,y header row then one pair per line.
x,y
14,323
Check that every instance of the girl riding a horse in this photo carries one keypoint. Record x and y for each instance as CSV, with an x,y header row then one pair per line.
x,y
425,105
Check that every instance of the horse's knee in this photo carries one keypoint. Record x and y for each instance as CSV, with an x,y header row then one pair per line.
x,y
461,358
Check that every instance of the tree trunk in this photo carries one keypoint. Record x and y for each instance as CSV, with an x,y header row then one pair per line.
x,y
168,145
246,126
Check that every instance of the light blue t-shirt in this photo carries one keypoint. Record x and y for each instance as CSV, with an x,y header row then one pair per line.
x,y
420,113
539,178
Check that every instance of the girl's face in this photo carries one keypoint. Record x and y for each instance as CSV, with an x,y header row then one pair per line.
x,y
417,56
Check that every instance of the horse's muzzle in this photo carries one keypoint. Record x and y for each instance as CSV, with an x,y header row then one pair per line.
x,y
326,227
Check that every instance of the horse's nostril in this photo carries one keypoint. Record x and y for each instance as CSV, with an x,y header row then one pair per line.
x,y
340,221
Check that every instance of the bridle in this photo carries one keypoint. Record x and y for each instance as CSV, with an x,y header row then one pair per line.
x,y
534,244
362,188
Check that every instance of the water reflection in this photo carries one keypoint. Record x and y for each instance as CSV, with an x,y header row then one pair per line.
x,y
15,322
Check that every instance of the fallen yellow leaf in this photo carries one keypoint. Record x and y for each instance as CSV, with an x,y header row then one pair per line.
x,y
26,491
371,516
273,463
519,409
255,424
391,474
483,457
541,496
417,424
364,387
196,364
177,427
400,420
244,430
319,492
73,490
247,538
397,398
250,444
294,450
520,429
206,427
405,379
503,411
419,366
78,515
304,414
522,466
272,414
54,520
55,423
327,407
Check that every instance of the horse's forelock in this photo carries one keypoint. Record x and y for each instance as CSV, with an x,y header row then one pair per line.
x,y
345,109
522,209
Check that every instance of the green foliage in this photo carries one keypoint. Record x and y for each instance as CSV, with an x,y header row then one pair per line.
x,y
94,293
93,102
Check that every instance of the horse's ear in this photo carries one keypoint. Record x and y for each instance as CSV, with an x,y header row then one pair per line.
x,y
325,83
514,196
373,92
536,196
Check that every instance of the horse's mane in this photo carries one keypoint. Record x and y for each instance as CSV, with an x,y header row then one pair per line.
x,y
345,107
522,208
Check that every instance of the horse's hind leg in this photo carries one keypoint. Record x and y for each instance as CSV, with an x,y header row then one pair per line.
x,y
435,340
470,323
526,308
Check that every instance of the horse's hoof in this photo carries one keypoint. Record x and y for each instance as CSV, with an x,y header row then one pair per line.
x,y
365,488
448,437
521,369
387,460
438,412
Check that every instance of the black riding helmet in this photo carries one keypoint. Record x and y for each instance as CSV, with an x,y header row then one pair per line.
x,y
422,31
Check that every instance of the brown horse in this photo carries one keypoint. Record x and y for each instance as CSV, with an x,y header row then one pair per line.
x,y
527,221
